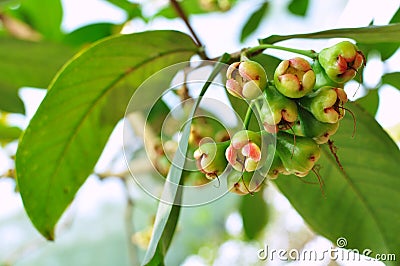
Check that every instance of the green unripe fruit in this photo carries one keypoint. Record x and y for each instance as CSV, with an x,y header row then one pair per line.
x,y
341,61
246,80
326,104
309,126
298,156
322,78
210,158
279,112
243,183
276,168
294,78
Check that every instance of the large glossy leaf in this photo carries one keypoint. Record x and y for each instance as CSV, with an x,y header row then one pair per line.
x,y
88,97
361,202
253,21
167,213
45,16
25,63
371,34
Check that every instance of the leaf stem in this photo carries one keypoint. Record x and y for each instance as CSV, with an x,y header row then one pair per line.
x,y
260,48
248,116
181,13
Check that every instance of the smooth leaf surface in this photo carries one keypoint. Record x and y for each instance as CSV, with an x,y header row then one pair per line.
x,y
254,212
167,213
70,129
298,7
253,21
26,63
368,35
269,63
370,102
386,50
361,203
392,79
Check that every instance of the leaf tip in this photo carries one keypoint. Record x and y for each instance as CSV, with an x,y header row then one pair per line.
x,y
48,234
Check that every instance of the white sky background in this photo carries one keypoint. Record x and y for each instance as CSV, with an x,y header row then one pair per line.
x,y
222,36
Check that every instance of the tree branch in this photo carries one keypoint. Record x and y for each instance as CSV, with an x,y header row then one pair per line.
x,y
181,13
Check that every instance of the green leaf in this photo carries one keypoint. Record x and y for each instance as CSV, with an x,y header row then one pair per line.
x,y
9,133
157,115
195,7
371,34
370,102
386,50
25,63
361,202
298,7
253,21
254,211
392,79
167,214
91,33
88,97
45,16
